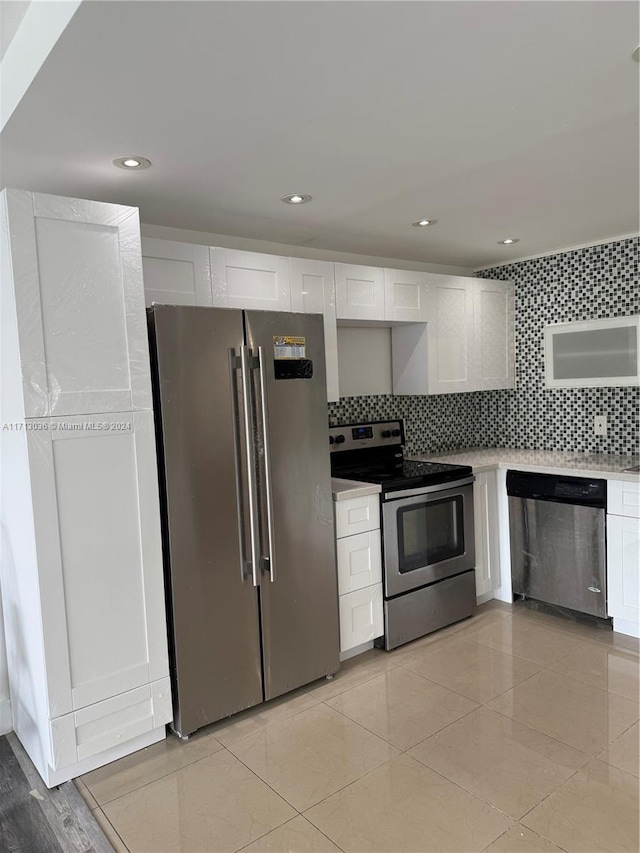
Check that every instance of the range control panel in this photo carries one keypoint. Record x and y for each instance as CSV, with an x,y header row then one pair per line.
x,y
357,436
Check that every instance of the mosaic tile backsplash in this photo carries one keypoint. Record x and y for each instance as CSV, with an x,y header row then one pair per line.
x,y
583,284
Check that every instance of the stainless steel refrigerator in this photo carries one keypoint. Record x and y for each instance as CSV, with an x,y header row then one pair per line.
x,y
241,413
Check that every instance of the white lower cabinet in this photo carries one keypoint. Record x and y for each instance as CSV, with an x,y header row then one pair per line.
x,y
359,561
623,557
491,538
361,618
359,557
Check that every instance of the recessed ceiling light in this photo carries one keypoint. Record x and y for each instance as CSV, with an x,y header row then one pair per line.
x,y
132,163
508,241
295,198
636,54
422,223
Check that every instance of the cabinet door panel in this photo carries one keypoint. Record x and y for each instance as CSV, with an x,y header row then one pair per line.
x,y
361,617
359,292
78,278
313,292
450,335
250,280
176,273
357,515
494,357
98,541
406,296
359,561
623,568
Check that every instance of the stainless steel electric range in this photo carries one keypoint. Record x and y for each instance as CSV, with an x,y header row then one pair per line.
x,y
426,510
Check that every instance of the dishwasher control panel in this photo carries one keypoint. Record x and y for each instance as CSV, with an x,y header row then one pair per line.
x,y
580,491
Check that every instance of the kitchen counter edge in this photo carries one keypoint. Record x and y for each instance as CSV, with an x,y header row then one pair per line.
x,y
609,467
343,490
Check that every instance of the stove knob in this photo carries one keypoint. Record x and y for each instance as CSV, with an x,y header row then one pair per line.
x,y
332,440
340,439
386,433
395,433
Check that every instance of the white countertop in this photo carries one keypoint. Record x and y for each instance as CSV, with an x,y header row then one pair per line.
x,y
344,489
605,466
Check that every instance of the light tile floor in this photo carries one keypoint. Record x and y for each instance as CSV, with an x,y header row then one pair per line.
x,y
514,731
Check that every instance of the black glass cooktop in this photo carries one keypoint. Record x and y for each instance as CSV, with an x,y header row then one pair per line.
x,y
401,473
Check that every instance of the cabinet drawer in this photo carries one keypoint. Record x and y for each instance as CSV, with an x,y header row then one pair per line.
x,y
623,498
357,515
361,618
359,561
100,727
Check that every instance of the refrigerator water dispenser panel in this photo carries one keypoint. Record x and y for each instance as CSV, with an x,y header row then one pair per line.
x,y
293,368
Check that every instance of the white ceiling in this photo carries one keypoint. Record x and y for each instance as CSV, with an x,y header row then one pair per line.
x,y
499,119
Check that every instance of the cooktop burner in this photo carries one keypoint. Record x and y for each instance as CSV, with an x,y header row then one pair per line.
x,y
372,453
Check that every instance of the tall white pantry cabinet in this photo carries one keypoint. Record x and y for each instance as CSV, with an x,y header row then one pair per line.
x,y
81,571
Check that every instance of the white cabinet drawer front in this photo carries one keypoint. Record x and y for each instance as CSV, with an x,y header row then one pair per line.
x,y
361,617
176,273
99,552
359,292
80,305
359,561
623,498
250,280
357,515
623,568
100,727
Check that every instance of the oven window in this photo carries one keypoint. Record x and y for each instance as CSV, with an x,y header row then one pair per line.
x,y
429,533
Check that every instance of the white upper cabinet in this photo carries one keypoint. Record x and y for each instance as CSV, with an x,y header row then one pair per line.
x,y
176,273
250,280
359,292
313,292
79,301
450,335
593,353
493,335
406,296
466,344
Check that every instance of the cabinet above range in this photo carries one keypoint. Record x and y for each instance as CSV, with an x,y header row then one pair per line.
x,y
449,333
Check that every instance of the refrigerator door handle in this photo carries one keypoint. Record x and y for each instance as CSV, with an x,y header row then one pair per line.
x,y
267,462
252,480
234,366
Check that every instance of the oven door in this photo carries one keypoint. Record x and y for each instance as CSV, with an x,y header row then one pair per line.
x,y
427,536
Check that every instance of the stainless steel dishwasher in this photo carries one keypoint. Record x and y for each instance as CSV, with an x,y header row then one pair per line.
x,y
557,527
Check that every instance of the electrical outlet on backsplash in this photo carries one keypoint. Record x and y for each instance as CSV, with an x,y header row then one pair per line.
x,y
596,281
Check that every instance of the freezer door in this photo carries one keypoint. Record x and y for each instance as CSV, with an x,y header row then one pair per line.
x,y
299,591
213,603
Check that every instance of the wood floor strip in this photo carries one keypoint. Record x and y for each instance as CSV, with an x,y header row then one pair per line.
x,y
68,818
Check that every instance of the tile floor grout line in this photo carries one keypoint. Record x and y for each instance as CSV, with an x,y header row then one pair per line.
x,y
264,782
464,696
299,814
102,812
153,781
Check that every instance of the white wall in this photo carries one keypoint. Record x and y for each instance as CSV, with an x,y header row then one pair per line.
x,y
361,376
249,245
5,708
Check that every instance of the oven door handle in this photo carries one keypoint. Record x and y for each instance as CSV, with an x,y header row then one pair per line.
x,y
427,490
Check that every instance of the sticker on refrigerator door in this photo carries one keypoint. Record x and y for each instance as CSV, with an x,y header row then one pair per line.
x,y
285,346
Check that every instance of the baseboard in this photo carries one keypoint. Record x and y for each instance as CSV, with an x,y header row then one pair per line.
x,y
5,716
356,650
482,599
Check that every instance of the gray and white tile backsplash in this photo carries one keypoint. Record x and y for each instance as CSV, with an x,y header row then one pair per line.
x,y
594,282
